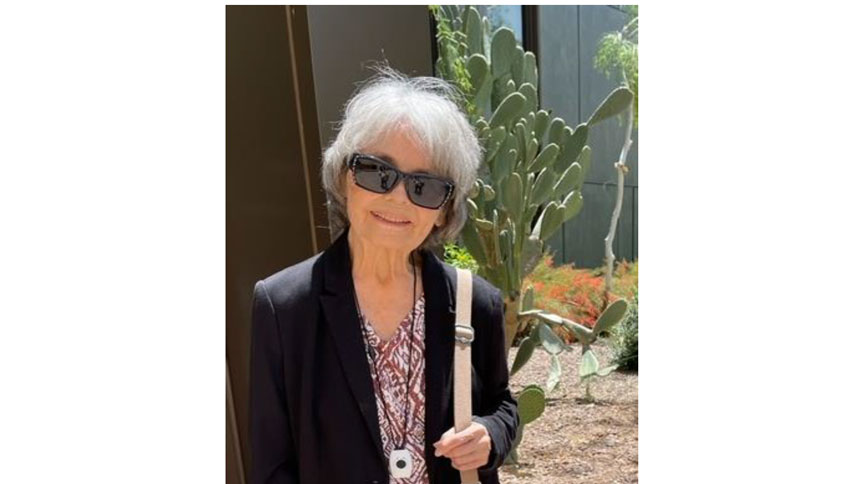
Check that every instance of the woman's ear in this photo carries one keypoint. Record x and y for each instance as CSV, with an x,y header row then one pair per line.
x,y
344,185
440,220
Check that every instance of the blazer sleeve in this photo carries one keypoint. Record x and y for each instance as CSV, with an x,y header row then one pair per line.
x,y
502,418
273,453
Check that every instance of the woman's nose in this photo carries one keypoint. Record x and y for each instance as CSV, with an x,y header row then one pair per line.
x,y
399,192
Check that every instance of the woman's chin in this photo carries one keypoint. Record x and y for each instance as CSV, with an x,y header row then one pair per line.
x,y
397,238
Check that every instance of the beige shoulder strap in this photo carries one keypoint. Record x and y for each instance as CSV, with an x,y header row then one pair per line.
x,y
464,334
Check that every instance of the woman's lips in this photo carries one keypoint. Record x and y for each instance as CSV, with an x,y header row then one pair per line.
x,y
390,219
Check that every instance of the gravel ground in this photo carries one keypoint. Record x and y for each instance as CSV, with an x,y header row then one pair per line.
x,y
574,441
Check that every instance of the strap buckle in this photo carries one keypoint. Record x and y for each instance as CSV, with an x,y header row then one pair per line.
x,y
464,334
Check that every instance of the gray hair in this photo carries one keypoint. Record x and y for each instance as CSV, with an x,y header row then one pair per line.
x,y
428,107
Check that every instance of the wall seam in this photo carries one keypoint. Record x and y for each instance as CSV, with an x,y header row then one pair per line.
x,y
300,122
579,64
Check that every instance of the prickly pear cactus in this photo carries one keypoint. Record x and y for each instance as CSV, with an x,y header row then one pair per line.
x,y
535,164
531,402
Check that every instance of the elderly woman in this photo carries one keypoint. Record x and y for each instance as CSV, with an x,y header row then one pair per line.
x,y
352,349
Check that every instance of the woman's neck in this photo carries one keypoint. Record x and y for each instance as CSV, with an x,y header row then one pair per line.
x,y
379,266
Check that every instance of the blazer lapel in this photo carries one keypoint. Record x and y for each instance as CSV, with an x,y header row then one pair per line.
x,y
341,316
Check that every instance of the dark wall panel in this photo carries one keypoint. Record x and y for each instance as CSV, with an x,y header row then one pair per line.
x,y
573,89
583,236
559,61
555,246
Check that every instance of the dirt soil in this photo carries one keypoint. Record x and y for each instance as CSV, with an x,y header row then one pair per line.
x,y
575,441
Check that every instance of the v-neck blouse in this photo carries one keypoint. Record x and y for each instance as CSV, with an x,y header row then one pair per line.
x,y
392,365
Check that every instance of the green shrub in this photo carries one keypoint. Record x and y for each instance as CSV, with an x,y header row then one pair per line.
x,y
625,338
626,279
459,257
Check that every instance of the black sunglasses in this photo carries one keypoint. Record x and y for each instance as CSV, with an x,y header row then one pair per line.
x,y
379,176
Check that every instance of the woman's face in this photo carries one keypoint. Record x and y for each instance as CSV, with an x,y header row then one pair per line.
x,y
367,210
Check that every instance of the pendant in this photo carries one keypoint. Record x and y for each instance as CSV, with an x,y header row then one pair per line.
x,y
400,463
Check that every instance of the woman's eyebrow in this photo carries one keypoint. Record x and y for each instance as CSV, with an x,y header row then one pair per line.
x,y
395,163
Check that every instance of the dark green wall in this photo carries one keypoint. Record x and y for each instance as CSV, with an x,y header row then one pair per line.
x,y
572,88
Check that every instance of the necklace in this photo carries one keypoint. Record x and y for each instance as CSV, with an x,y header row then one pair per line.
x,y
400,460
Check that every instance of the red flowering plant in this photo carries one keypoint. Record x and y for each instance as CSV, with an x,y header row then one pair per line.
x,y
577,294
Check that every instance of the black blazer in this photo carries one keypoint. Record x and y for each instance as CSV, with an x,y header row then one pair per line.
x,y
312,407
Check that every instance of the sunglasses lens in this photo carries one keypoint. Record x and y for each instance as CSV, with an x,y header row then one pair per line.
x,y
424,191
427,192
374,176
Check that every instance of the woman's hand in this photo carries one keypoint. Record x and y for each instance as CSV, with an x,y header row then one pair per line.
x,y
469,449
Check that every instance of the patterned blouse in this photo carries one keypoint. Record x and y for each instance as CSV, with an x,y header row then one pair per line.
x,y
392,364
